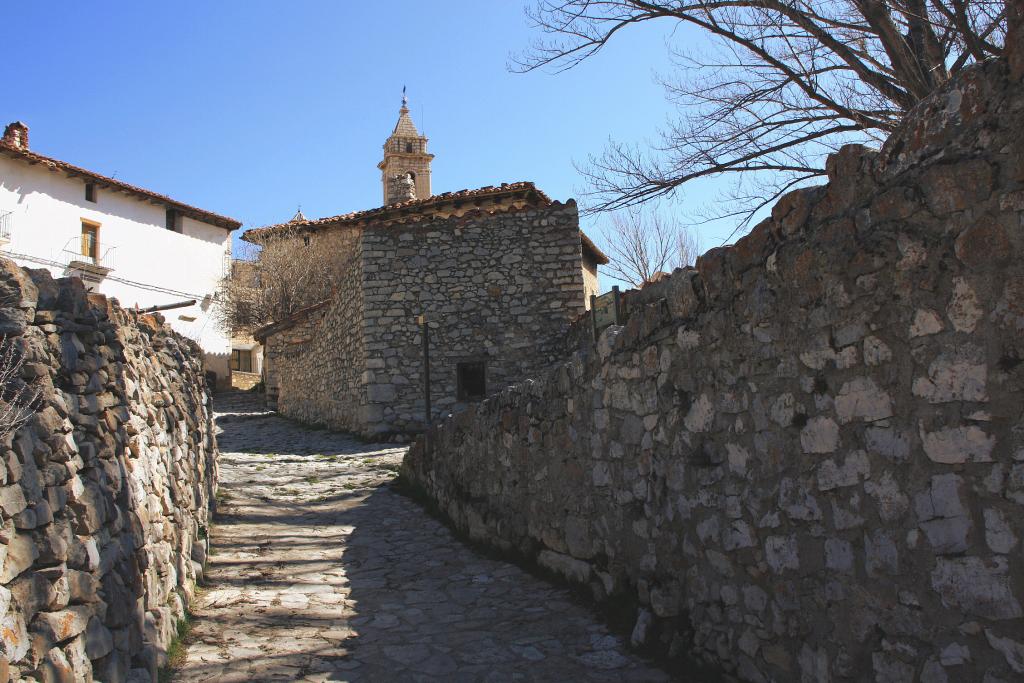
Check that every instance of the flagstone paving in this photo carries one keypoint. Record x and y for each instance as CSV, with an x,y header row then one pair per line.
x,y
319,571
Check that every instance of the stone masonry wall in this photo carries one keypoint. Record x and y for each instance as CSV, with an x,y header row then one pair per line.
x,y
315,367
805,461
499,287
105,492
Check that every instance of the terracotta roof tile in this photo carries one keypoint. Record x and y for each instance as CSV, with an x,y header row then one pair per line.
x,y
56,164
402,209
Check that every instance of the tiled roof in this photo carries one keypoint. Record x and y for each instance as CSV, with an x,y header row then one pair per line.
x,y
599,256
410,208
287,322
403,209
31,157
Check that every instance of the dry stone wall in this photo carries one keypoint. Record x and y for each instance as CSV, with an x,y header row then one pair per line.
x,y
314,365
804,459
500,288
105,491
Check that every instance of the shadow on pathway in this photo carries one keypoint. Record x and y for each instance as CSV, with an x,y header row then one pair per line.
x,y
322,573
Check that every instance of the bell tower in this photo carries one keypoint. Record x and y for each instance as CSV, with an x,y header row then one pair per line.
x,y
405,159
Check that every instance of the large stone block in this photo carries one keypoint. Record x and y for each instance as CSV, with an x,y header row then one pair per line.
x,y
21,552
64,624
954,445
979,588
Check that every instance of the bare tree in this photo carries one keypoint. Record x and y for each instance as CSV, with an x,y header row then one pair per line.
x,y
17,397
272,281
788,82
643,243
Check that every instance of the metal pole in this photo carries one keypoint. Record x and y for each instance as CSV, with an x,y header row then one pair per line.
x,y
167,307
424,331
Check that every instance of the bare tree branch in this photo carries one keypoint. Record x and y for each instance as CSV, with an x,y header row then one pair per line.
x,y
273,281
17,397
785,82
643,243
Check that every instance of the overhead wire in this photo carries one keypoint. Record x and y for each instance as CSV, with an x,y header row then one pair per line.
x,y
114,278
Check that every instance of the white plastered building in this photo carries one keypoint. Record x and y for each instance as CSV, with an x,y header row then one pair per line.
x,y
140,247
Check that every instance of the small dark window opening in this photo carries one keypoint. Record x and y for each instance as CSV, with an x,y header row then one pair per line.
x,y
471,380
408,148
305,240
173,220
241,361
90,192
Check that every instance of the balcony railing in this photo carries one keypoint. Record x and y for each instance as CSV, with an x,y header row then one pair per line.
x,y
85,255
6,224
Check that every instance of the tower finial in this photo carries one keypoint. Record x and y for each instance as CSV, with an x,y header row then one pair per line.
x,y
405,100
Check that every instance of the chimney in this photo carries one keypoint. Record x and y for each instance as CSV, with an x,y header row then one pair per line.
x,y
401,188
16,135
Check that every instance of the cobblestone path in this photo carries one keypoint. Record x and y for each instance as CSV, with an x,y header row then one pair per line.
x,y
320,572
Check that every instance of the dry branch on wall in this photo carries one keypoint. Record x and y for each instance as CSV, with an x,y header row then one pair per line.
x,y
17,397
271,282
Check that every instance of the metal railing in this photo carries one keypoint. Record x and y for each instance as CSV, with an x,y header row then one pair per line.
x,y
86,253
6,225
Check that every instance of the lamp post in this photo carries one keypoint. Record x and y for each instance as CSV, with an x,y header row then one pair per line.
x,y
424,332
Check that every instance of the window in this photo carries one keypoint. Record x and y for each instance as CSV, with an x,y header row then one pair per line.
x,y
305,240
90,192
90,240
173,220
408,148
241,360
471,380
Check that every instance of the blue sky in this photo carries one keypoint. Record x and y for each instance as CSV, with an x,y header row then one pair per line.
x,y
251,108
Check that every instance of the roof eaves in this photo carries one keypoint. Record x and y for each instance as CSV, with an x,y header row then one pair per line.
x,y
402,208
599,256
261,334
203,215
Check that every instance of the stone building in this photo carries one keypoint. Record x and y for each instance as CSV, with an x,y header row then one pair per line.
x,y
498,273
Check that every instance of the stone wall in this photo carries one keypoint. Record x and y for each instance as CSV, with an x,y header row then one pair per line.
x,y
804,459
314,363
495,287
313,360
499,286
105,492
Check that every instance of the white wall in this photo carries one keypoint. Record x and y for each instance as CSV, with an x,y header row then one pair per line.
x,y
48,209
